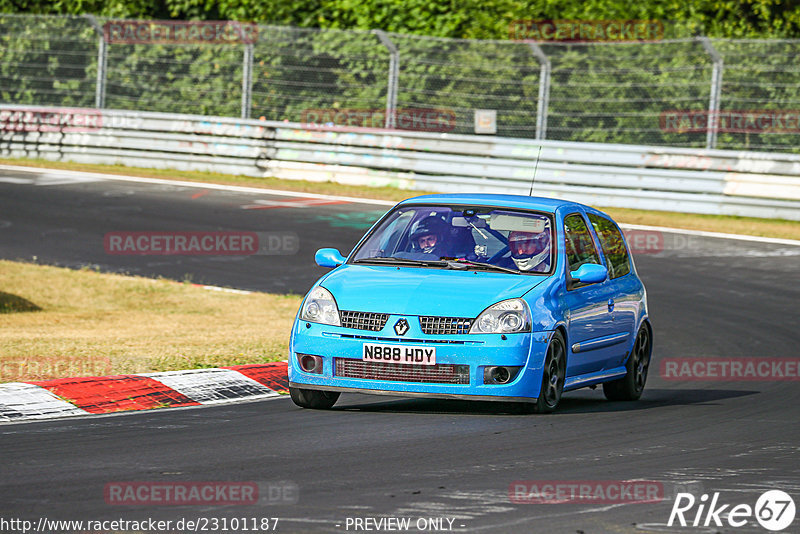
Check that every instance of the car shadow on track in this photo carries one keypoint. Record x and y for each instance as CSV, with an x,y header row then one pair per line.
x,y
652,398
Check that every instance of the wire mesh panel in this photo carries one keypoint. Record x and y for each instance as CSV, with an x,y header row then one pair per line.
x,y
619,93
464,75
187,75
320,76
652,93
48,60
760,100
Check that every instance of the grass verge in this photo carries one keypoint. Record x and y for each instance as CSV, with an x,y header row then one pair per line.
x,y
57,322
709,223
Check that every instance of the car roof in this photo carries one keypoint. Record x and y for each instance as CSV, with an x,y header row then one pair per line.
x,y
549,205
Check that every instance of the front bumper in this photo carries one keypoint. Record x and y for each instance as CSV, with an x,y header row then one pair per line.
x,y
474,350
418,394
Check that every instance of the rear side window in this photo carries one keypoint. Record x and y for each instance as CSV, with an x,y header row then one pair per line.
x,y
613,245
579,244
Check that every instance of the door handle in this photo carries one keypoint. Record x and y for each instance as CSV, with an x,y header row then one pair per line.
x,y
610,305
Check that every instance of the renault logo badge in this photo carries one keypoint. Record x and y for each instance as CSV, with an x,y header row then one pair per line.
x,y
401,327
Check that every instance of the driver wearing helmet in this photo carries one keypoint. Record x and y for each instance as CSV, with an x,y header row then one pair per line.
x,y
530,251
429,236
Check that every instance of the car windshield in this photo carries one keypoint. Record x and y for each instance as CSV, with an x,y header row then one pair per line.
x,y
462,237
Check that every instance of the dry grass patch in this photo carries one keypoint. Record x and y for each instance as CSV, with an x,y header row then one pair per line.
x,y
118,324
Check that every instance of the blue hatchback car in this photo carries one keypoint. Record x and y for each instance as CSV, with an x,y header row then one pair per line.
x,y
479,297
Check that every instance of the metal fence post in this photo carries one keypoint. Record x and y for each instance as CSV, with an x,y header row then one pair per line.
x,y
712,123
102,60
247,81
543,101
102,63
394,75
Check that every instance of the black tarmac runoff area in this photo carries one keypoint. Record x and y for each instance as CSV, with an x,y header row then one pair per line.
x,y
384,464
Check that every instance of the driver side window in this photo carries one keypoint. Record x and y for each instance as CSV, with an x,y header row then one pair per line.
x,y
579,244
389,242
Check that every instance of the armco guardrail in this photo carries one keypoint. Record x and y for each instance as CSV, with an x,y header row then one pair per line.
x,y
754,184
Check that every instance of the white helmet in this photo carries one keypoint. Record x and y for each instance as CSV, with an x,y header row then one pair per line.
x,y
529,249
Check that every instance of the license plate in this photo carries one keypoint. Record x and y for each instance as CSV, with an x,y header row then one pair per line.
x,y
410,355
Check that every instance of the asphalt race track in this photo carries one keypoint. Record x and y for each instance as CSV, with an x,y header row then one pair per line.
x,y
374,457
57,219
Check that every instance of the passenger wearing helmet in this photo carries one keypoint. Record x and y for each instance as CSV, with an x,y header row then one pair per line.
x,y
429,236
530,251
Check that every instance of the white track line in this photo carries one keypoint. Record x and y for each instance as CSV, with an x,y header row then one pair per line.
x,y
202,185
718,235
299,194
224,289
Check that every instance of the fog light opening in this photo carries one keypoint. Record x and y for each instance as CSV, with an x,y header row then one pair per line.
x,y
309,363
499,374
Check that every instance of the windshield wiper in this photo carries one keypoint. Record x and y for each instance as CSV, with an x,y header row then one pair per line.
x,y
488,266
404,261
444,262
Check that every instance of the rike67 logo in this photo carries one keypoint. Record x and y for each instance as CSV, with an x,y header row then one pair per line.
x,y
774,510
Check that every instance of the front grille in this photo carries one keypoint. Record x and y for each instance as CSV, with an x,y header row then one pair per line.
x,y
363,320
398,372
407,340
445,326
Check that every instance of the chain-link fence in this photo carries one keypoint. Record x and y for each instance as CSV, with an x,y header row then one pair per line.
x,y
716,93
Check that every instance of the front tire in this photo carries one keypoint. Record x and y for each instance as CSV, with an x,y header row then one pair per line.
x,y
553,375
631,386
314,399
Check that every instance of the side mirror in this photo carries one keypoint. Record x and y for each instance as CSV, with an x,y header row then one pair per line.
x,y
589,273
329,257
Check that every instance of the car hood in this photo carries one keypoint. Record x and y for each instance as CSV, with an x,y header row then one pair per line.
x,y
423,291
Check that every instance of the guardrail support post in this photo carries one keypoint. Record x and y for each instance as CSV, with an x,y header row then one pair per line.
x,y
102,62
247,81
543,101
712,122
394,75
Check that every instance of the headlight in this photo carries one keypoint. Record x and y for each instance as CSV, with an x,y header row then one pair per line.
x,y
505,317
320,307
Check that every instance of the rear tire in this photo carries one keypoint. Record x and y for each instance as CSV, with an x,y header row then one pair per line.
x,y
314,399
554,374
631,386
